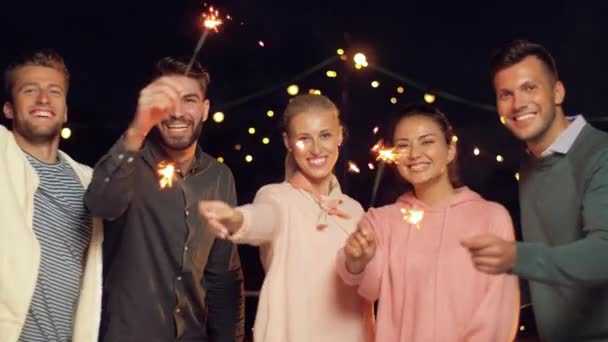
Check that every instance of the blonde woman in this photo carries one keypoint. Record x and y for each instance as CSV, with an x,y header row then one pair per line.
x,y
300,225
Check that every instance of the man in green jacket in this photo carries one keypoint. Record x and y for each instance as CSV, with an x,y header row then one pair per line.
x,y
563,193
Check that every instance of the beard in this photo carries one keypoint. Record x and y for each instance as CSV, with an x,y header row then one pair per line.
x,y
177,143
36,134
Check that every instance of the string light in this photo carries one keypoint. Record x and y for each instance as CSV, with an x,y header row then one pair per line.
x,y
248,158
429,98
454,139
400,89
265,141
251,130
270,113
393,100
237,147
260,43
517,176
220,159
66,133
375,84
340,52
502,120
371,166
360,58
358,66
476,151
331,73
218,117
293,90
317,92
500,158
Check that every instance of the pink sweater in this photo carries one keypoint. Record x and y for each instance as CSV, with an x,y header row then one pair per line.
x,y
427,287
302,298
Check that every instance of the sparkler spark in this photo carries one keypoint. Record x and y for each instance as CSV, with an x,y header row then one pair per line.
x,y
384,154
352,167
166,171
212,19
412,216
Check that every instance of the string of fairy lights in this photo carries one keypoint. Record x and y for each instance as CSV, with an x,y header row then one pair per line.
x,y
292,88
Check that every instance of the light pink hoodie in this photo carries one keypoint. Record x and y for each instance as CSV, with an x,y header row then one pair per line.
x,y
427,287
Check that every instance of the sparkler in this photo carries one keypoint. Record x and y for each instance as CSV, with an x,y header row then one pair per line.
x,y
166,171
385,156
412,216
211,22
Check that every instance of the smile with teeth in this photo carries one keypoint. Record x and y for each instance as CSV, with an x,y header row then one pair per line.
x,y
42,113
525,116
419,167
177,126
317,161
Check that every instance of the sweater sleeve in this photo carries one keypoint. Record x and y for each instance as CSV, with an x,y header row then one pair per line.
x,y
581,262
497,316
368,281
262,218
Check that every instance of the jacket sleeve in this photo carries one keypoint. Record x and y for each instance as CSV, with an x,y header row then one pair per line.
x,y
497,317
262,218
111,189
223,282
368,281
577,263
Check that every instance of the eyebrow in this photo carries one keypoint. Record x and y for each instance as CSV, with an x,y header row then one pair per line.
x,y
192,95
426,135
325,130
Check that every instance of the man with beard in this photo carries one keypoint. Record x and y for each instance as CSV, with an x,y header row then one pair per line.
x,y
165,276
50,247
563,193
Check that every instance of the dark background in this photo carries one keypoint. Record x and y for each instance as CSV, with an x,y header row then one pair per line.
x,y
440,47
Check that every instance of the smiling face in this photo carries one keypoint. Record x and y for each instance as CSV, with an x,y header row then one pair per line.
x,y
529,99
38,108
314,137
424,151
184,126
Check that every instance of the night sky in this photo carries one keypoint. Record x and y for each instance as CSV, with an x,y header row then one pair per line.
x,y
111,46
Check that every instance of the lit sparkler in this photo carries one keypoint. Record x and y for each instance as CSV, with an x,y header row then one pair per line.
x,y
211,22
166,171
385,156
413,216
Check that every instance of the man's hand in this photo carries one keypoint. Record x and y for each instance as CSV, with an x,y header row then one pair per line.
x,y
156,102
491,254
360,248
222,219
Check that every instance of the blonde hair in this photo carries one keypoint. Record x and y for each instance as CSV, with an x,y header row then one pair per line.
x,y
298,105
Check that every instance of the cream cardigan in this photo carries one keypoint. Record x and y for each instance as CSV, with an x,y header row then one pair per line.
x,y
20,250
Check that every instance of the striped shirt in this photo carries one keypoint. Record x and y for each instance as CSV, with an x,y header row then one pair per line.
x,y
63,227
